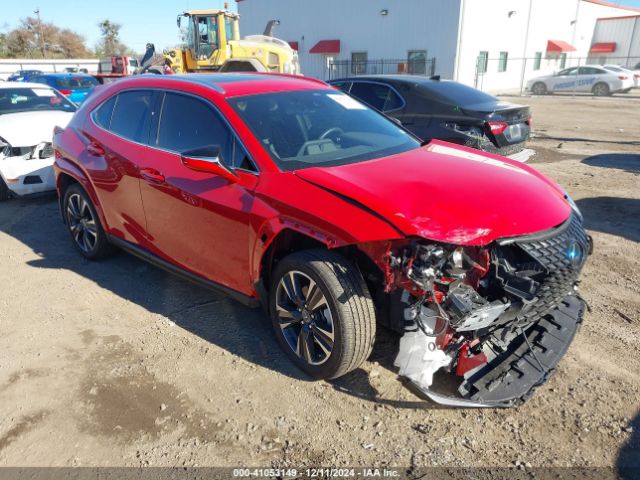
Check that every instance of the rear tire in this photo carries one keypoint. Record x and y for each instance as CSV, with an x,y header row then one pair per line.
x,y
322,313
4,191
601,90
539,88
84,225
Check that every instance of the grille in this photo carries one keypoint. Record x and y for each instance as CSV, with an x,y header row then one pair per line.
x,y
562,252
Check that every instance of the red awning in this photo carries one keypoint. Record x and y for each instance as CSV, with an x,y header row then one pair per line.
x,y
326,46
604,47
294,45
558,46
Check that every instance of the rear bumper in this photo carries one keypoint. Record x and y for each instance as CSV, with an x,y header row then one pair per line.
x,y
513,376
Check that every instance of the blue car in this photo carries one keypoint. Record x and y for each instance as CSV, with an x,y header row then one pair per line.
x,y
76,87
23,75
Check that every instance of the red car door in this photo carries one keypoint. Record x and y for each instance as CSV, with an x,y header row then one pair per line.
x,y
198,221
117,132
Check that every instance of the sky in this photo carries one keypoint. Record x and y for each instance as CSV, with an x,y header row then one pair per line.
x,y
142,22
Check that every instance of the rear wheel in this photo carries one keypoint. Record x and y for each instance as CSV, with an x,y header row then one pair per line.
x,y
322,313
84,224
4,190
539,88
601,90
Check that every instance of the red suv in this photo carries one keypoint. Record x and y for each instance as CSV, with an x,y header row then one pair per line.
x,y
284,192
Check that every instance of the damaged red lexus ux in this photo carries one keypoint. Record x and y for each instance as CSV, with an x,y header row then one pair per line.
x,y
286,193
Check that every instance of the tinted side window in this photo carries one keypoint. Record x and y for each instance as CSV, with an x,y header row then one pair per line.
x,y
393,101
102,116
344,86
372,94
187,123
130,118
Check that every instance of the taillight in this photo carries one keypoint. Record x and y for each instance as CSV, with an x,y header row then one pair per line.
x,y
636,75
622,77
497,127
529,122
65,92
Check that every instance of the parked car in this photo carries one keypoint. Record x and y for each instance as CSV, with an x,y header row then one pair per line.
x,y
445,110
75,70
634,74
284,192
588,78
76,87
23,75
28,114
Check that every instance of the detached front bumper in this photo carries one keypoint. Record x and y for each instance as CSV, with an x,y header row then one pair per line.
x,y
512,376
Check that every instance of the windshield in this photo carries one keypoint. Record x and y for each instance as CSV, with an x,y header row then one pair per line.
x,y
13,100
76,83
319,128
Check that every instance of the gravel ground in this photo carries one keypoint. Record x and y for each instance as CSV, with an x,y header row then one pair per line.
x,y
117,363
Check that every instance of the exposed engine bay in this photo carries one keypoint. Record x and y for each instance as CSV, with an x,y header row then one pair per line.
x,y
496,319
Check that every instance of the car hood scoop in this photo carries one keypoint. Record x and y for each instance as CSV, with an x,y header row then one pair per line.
x,y
447,193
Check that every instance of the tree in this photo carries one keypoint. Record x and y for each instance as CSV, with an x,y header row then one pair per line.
x,y
36,39
110,44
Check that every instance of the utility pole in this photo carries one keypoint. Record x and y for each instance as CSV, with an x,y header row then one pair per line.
x,y
40,34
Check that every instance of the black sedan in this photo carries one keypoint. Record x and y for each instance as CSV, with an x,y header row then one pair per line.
x,y
442,109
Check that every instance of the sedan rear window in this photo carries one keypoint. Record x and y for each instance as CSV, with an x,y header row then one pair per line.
x,y
76,83
301,129
454,93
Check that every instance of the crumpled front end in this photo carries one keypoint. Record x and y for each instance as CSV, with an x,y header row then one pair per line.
x,y
486,325
27,170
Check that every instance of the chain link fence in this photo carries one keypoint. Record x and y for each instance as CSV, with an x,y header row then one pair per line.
x,y
353,68
567,73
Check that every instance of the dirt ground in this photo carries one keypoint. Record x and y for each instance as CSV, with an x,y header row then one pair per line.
x,y
117,363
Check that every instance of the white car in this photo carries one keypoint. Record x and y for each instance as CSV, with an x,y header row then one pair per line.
x,y
635,75
28,114
587,78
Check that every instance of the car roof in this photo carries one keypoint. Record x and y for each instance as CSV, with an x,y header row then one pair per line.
x,y
413,79
231,84
7,85
64,75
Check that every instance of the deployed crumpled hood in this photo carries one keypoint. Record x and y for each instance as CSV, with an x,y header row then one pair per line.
x,y
26,129
450,194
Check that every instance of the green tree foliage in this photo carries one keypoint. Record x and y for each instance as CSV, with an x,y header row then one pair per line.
x,y
110,44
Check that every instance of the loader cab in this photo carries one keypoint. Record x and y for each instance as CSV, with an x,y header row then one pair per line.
x,y
207,34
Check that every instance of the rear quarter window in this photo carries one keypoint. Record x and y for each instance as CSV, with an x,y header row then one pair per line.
x,y
130,118
103,113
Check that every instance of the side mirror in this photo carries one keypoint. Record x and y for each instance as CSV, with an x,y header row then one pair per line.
x,y
208,160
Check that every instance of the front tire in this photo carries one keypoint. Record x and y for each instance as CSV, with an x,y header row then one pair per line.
x,y
84,224
322,313
601,90
539,88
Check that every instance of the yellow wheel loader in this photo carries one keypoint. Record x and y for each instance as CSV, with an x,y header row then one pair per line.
x,y
212,43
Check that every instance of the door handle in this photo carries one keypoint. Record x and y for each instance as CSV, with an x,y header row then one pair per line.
x,y
95,150
152,175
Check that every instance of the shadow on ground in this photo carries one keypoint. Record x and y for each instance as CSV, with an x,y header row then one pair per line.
x,y
612,215
622,161
628,461
213,317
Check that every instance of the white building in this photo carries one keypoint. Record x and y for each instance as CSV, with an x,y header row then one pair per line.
x,y
478,42
616,40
